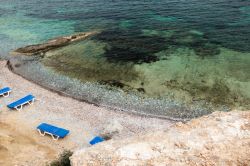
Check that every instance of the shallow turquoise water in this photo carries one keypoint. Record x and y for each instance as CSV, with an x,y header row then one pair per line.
x,y
186,51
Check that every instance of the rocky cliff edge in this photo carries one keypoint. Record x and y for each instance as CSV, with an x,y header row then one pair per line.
x,y
217,139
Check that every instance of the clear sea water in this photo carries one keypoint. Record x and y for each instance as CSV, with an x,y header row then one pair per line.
x,y
185,51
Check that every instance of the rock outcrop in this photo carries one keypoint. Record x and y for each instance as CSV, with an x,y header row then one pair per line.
x,y
111,129
52,44
218,139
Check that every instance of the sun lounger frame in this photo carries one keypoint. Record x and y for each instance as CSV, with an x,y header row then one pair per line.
x,y
6,94
20,106
54,137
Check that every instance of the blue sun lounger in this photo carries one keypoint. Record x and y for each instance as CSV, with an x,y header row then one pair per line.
x,y
18,105
96,140
53,131
5,92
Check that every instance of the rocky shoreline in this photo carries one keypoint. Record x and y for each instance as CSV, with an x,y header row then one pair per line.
x,y
52,44
100,94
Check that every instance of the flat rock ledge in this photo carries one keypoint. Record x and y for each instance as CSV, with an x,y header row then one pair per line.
x,y
52,44
217,139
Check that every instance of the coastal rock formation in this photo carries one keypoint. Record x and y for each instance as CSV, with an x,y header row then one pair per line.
x,y
111,129
52,44
218,139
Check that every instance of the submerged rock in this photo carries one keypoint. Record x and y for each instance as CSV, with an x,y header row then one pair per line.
x,y
114,83
217,93
141,90
218,139
34,49
197,41
207,49
52,44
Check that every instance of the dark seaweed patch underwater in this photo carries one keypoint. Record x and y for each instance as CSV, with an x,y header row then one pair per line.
x,y
136,47
131,46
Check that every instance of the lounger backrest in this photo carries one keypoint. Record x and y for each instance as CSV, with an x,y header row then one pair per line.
x,y
21,101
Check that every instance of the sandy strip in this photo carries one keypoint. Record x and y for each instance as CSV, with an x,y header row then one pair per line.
x,y
83,120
